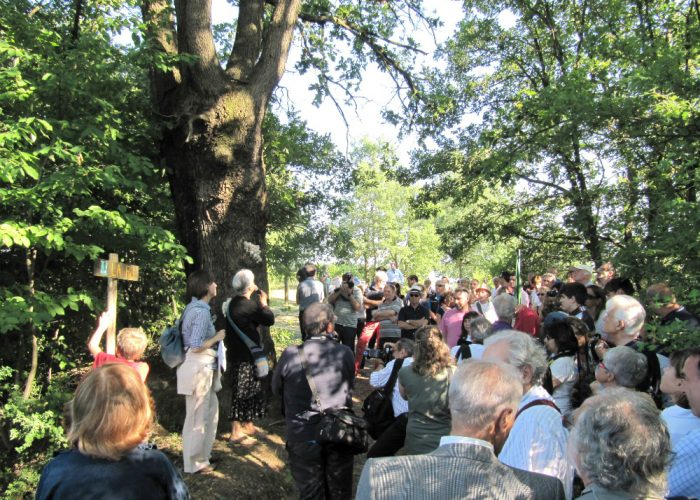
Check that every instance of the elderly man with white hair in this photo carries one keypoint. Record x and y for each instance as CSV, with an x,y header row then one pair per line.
x,y
620,446
537,441
621,324
483,400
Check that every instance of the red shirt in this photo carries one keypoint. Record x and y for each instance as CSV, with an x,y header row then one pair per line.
x,y
103,358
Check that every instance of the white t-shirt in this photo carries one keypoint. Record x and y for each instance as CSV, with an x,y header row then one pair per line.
x,y
680,422
476,349
564,370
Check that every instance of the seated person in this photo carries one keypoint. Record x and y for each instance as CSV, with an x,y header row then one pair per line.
x,y
131,343
392,438
621,367
110,415
572,300
620,447
679,417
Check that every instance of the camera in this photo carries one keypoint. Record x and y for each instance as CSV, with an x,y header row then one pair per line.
x,y
350,283
385,354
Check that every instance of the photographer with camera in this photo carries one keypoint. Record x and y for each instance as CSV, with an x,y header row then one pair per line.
x,y
347,303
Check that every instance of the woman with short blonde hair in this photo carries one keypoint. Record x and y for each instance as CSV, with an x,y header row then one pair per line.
x,y
110,415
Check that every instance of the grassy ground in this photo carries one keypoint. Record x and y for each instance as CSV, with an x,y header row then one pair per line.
x,y
256,471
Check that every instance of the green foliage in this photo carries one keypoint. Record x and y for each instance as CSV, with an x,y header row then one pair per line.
x,y
574,132
32,427
305,176
379,224
76,183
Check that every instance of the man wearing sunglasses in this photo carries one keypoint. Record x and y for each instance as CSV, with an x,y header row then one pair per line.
x,y
414,315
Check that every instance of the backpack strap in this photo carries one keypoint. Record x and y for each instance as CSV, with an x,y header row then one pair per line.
x,y
537,402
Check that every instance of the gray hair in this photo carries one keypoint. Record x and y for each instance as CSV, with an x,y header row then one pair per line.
x,y
620,442
480,390
406,345
479,328
627,365
242,280
627,309
317,317
523,351
504,305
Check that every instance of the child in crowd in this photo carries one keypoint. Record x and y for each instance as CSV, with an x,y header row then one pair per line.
x,y
131,343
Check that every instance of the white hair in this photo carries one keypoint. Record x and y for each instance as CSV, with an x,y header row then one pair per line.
x,y
381,276
627,309
523,351
242,280
480,390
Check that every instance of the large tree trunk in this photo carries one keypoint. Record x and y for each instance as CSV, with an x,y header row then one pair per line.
x,y
212,134
217,178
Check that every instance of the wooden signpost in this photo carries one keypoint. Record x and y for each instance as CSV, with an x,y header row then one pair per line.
x,y
114,271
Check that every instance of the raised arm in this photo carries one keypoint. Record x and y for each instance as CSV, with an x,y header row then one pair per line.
x,y
103,323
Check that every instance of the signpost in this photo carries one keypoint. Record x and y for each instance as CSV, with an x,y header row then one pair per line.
x,y
114,271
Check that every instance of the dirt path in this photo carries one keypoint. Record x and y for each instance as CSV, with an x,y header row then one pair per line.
x,y
256,471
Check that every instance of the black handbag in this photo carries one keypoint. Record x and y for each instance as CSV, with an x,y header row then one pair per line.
x,y
377,407
339,427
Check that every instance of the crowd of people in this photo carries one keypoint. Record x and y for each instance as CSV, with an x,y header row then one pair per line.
x,y
543,390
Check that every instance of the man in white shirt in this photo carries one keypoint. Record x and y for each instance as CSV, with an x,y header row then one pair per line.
x,y
537,441
391,440
683,477
483,401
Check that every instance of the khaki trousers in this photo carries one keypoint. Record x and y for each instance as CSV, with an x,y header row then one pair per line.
x,y
196,380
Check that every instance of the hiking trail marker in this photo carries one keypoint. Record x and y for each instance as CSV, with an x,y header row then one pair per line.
x,y
114,271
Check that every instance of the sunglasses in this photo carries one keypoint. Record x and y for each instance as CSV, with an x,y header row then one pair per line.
x,y
414,294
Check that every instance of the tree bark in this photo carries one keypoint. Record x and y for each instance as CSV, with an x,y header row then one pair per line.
x,y
211,142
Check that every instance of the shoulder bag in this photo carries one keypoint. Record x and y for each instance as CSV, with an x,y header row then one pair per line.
x,y
338,427
377,407
262,366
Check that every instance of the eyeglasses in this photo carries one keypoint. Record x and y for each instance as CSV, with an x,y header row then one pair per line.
x,y
439,286
414,294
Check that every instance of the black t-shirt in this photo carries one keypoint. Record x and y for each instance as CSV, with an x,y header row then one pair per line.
x,y
407,312
372,294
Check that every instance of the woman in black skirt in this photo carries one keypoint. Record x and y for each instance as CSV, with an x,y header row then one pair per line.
x,y
247,309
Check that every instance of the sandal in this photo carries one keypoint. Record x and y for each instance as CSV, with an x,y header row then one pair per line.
x,y
207,469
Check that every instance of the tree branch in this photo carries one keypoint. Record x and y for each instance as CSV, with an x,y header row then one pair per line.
x,y
248,42
194,35
270,67
160,32
556,187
